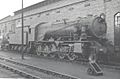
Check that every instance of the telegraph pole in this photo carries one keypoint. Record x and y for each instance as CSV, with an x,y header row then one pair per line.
x,y
22,18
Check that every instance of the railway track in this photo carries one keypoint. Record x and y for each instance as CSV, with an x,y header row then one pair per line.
x,y
111,65
32,72
5,73
116,66
17,71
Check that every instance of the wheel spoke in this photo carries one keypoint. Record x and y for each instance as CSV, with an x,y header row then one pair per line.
x,y
53,48
38,51
46,51
72,56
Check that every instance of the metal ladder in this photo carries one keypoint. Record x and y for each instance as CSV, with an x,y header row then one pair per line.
x,y
94,69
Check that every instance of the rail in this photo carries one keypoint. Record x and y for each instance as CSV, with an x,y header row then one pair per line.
x,y
28,75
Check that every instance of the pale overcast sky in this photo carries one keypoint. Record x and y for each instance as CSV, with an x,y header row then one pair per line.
x,y
7,7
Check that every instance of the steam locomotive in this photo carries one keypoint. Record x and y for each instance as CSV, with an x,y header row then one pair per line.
x,y
78,39
73,40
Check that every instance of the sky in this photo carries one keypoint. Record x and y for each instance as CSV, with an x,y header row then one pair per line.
x,y
7,7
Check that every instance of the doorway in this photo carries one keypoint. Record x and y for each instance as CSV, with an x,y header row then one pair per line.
x,y
117,31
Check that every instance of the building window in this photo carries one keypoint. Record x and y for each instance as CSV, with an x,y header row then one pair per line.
x,y
18,23
5,28
117,19
107,0
39,15
65,20
86,5
30,17
58,12
71,8
57,20
47,14
19,20
29,30
13,25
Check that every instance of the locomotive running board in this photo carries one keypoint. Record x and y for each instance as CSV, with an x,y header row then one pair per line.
x,y
96,68
63,42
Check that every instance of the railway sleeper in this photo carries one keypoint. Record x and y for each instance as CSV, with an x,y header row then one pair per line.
x,y
49,72
17,71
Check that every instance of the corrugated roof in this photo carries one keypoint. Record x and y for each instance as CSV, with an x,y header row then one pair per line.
x,y
35,6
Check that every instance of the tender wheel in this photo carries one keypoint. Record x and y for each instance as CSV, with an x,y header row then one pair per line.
x,y
38,50
72,56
